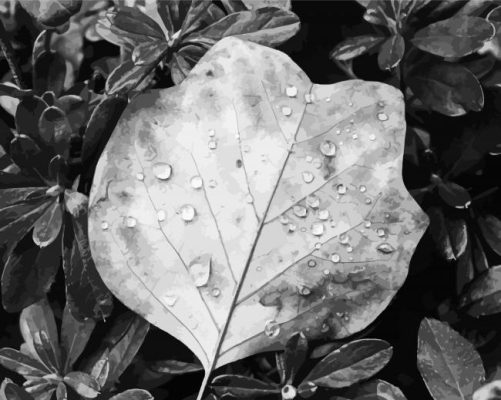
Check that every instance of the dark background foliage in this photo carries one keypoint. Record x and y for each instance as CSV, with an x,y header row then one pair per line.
x,y
431,288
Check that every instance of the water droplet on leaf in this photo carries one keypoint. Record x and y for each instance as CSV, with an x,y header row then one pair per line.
x,y
372,137
271,328
284,220
140,176
161,215
170,300
381,232
304,291
335,258
212,133
317,229
162,171
307,177
313,201
196,182
323,215
312,263
212,144
382,116
291,91
341,189
385,248
287,111
292,227
289,392
362,189
328,148
215,292
300,211
131,222
104,225
187,213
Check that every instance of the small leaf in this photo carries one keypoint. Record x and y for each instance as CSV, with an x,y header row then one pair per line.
x,y
391,52
454,195
324,349
376,389
454,37
61,391
450,234
133,394
448,88
242,387
296,350
355,46
483,295
49,73
101,369
13,392
24,150
55,129
84,384
14,91
28,113
75,335
149,53
126,77
22,364
48,226
174,367
52,12
490,226
449,364
351,363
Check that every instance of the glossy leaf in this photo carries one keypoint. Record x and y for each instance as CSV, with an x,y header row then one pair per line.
x,y
450,234
376,389
13,392
450,366
49,73
355,46
351,363
84,384
75,335
483,295
149,53
490,226
489,391
454,37
242,387
174,367
248,236
52,12
87,296
295,353
391,52
18,362
48,226
132,20
133,394
447,88
454,195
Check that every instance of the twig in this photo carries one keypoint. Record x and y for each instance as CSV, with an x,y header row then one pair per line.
x,y
9,56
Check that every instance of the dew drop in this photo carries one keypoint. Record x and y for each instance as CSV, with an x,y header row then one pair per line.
x,y
308,98
368,200
380,103
325,327
284,220
215,292
200,269
313,201
328,148
367,224
349,249
333,223
259,268
212,183
385,248
271,328
131,222
323,215
162,171
382,116
335,258
196,182
104,225
309,159
307,177
355,136
338,131
362,189
339,314
381,232
140,176
304,291
326,272
292,227
318,246
327,99
344,238
312,263
170,300
372,137
161,215
212,133
300,211
291,91
287,111
347,129
317,229
249,199
187,213
212,144
341,189
350,104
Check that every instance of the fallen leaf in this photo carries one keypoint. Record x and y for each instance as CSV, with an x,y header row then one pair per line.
x,y
294,189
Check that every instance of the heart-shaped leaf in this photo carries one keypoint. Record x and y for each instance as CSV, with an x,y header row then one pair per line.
x,y
293,190
351,363
454,37
449,364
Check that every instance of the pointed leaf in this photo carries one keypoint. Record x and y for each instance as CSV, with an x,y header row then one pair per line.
x,y
448,88
18,362
454,37
101,369
75,335
355,46
351,363
133,394
242,387
483,295
84,384
157,185
449,364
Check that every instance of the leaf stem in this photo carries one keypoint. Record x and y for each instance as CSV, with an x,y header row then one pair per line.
x,y
8,52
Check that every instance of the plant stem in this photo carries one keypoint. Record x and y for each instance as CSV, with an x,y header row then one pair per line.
x,y
8,52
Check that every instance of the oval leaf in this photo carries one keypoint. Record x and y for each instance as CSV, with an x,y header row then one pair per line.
x,y
48,226
174,367
156,185
18,362
84,384
454,37
133,394
355,46
483,296
450,366
376,389
242,387
448,88
490,227
391,52
351,363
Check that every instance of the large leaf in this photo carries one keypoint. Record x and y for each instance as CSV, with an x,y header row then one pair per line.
x,y
454,37
449,364
351,363
248,203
